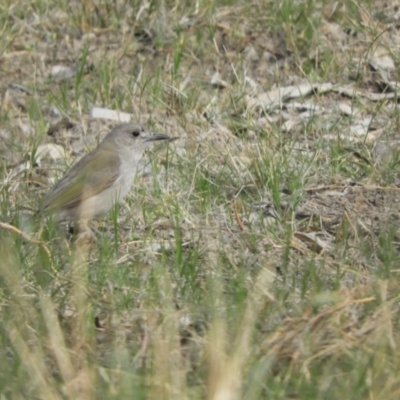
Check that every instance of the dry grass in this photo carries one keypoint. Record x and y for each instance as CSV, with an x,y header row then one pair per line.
x,y
257,255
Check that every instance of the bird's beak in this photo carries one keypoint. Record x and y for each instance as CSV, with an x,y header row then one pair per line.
x,y
157,136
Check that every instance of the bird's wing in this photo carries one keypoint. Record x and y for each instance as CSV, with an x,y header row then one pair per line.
x,y
92,174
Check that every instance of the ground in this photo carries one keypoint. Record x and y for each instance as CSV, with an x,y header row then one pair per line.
x,y
257,255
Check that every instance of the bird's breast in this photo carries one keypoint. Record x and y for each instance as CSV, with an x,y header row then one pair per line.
x,y
128,169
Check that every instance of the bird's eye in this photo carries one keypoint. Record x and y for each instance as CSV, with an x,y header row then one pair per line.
x,y
135,133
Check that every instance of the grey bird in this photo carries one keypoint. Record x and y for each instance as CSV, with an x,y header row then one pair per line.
x,y
101,178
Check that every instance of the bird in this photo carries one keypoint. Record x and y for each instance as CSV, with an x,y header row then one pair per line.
x,y
102,177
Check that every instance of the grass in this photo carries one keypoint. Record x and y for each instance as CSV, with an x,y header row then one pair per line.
x,y
250,262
